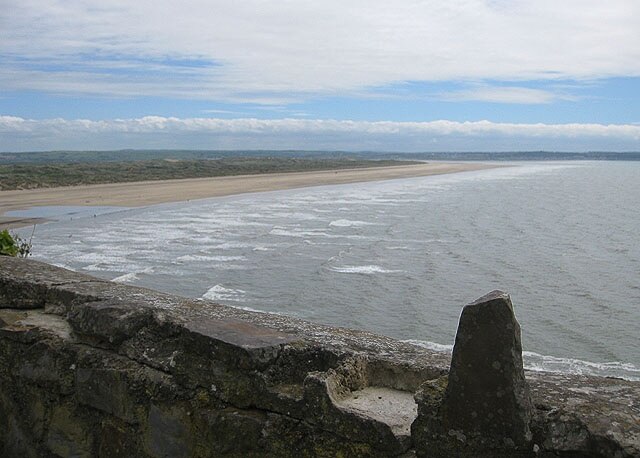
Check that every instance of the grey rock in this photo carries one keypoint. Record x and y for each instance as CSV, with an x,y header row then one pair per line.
x,y
585,415
108,323
486,404
107,390
167,433
27,284
487,376
68,434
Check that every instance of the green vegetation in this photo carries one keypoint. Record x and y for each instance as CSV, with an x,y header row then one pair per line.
x,y
133,155
47,175
12,245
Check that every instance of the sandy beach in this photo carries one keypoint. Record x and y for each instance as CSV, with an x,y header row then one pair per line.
x,y
137,194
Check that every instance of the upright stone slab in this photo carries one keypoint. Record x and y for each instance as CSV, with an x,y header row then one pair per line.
x,y
485,407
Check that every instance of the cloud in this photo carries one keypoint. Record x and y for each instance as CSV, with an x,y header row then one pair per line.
x,y
516,95
270,52
215,133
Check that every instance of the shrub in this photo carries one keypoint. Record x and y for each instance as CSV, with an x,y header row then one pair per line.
x,y
13,245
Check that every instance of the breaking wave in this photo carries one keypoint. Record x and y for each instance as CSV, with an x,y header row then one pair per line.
x,y
215,258
126,278
220,293
545,363
348,223
367,270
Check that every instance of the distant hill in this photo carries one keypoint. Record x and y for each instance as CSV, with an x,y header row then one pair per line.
x,y
56,157
525,156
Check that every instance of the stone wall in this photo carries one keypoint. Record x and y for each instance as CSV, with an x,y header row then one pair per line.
x,y
93,368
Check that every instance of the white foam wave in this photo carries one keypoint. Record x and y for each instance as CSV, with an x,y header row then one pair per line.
x,y
59,264
287,233
431,345
544,363
231,245
220,293
214,258
123,266
126,278
299,216
250,309
227,266
367,270
133,276
98,257
349,223
537,362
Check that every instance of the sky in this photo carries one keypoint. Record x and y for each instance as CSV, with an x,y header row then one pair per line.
x,y
355,75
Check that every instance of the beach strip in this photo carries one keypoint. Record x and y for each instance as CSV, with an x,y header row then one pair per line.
x,y
143,193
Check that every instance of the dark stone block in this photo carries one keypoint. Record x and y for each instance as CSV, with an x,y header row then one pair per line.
x,y
167,433
106,390
117,440
486,404
487,394
68,434
108,323
233,432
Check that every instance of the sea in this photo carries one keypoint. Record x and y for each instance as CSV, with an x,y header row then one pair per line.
x,y
398,257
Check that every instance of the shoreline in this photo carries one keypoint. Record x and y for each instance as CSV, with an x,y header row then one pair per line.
x,y
144,193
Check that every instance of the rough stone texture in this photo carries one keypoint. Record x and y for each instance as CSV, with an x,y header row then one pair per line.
x,y
486,404
92,368
585,416
487,376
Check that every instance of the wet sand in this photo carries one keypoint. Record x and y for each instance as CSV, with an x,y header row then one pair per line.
x,y
138,194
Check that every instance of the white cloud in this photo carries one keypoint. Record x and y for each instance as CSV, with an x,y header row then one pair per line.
x,y
519,95
214,133
308,47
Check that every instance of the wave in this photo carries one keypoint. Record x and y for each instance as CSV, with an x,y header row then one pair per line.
x,y
286,233
281,231
216,258
57,264
220,293
430,345
262,248
367,270
545,363
230,245
298,216
132,276
126,278
250,309
123,266
349,223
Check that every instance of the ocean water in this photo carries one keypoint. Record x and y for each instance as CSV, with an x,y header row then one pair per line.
x,y
401,257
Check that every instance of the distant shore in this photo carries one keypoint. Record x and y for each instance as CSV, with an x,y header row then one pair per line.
x,y
138,194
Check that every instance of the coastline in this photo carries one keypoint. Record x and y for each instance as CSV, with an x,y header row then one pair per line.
x,y
143,193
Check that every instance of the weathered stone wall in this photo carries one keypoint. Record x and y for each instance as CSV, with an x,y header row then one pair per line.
x,y
93,368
